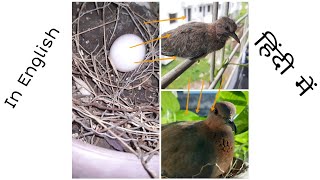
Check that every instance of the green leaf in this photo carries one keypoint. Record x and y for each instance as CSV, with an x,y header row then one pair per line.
x,y
181,116
167,116
238,98
246,93
241,149
241,121
242,138
169,102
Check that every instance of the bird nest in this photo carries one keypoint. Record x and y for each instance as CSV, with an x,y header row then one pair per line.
x,y
238,169
112,109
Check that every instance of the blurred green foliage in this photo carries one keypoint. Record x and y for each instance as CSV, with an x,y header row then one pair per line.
x,y
244,9
171,112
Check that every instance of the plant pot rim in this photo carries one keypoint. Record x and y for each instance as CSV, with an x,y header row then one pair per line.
x,y
89,161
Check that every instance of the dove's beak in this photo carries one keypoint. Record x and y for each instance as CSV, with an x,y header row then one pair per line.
x,y
233,126
235,37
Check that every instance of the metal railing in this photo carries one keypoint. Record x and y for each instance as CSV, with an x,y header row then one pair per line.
x,y
221,71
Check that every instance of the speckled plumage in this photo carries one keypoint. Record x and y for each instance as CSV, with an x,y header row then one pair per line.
x,y
197,39
186,147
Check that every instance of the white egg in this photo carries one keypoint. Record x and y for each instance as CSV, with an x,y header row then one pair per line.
x,y
123,57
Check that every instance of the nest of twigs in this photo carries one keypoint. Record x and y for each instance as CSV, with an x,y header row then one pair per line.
x,y
238,169
112,109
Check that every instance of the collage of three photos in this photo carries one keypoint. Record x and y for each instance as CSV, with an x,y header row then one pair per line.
x,y
160,89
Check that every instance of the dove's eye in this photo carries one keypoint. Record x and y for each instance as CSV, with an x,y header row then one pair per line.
x,y
215,111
